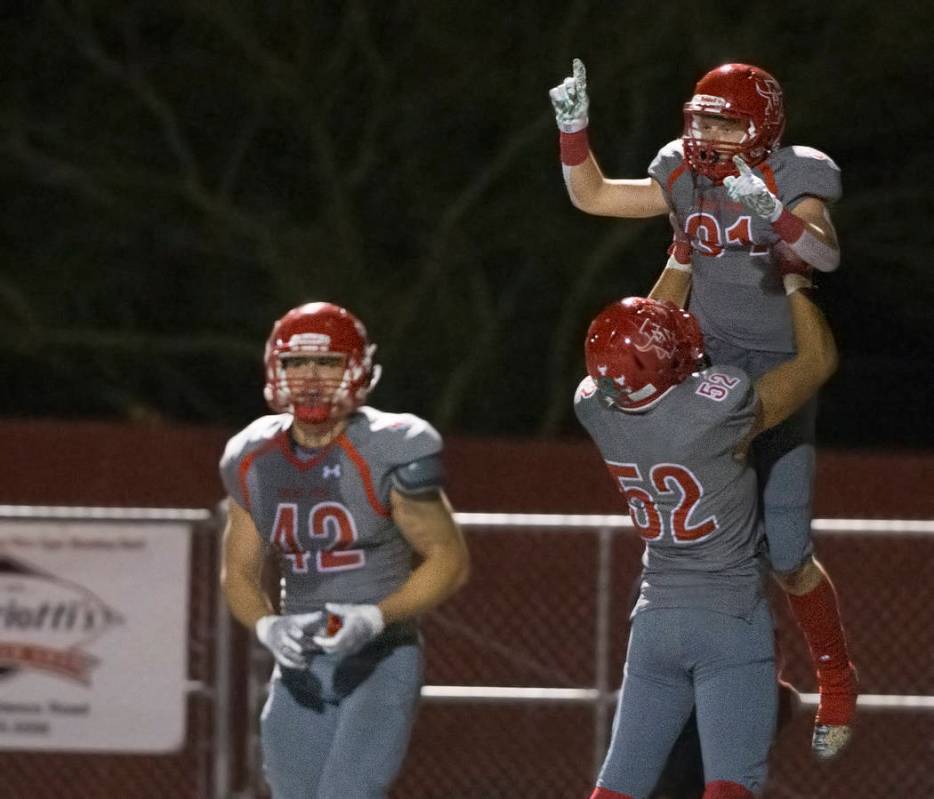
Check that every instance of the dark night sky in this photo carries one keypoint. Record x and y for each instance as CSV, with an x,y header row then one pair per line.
x,y
178,177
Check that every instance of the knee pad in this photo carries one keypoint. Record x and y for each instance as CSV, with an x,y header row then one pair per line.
x,y
606,793
723,789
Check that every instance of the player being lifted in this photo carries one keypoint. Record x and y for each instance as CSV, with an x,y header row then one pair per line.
x,y
741,202
674,436
346,495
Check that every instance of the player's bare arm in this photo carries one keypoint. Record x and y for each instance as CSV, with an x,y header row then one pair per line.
x,y
674,283
241,580
816,216
428,524
587,186
595,194
784,389
241,567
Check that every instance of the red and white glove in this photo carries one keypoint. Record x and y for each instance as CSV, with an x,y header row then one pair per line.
x,y
287,637
750,190
570,101
359,624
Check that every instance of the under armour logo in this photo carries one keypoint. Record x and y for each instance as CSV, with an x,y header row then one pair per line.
x,y
332,471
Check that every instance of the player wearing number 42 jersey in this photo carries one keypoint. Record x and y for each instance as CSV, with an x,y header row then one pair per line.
x,y
674,437
347,497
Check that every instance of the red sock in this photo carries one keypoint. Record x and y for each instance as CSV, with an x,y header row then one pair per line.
x,y
606,793
721,789
818,617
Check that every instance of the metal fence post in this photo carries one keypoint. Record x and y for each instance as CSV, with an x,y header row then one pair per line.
x,y
602,649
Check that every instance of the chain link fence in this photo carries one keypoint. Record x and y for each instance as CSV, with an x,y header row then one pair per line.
x,y
547,608
522,668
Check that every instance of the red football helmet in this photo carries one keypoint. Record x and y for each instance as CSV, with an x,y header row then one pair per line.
x,y
319,328
734,91
637,349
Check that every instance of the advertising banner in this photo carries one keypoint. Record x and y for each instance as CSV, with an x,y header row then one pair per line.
x,y
93,635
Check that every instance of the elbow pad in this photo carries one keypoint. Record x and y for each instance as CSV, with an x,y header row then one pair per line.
x,y
419,476
810,249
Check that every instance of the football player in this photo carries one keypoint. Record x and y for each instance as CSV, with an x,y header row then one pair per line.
x,y
674,436
741,203
346,496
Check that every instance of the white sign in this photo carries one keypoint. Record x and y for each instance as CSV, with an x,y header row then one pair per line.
x,y
93,635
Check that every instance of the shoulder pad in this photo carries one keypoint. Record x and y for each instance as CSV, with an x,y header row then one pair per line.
x,y
253,436
402,437
805,172
585,389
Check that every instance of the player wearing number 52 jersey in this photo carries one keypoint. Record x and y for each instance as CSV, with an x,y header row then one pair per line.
x,y
744,209
674,437
347,497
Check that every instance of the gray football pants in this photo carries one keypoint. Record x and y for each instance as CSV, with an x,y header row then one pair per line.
x,y
784,459
680,658
340,729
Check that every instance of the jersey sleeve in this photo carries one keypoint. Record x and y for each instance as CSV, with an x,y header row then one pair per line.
x,y
734,392
413,453
230,469
669,160
586,403
240,448
807,172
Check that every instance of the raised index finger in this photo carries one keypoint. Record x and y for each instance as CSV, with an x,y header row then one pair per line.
x,y
580,73
741,165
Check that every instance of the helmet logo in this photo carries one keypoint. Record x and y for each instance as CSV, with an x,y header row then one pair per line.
x,y
310,341
771,92
656,338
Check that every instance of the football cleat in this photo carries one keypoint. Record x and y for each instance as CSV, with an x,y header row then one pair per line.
x,y
830,740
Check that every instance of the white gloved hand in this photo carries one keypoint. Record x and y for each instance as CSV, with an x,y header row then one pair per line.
x,y
360,624
287,636
751,191
570,100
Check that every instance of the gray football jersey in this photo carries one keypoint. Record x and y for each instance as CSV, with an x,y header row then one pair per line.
x,y
693,502
327,511
737,294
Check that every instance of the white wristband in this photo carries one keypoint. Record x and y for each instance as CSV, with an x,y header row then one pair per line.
x,y
674,263
794,281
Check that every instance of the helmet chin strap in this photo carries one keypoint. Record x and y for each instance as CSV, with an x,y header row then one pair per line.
x,y
312,414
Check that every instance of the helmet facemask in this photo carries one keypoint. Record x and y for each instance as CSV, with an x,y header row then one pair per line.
x,y
713,157
315,393
338,370
734,91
